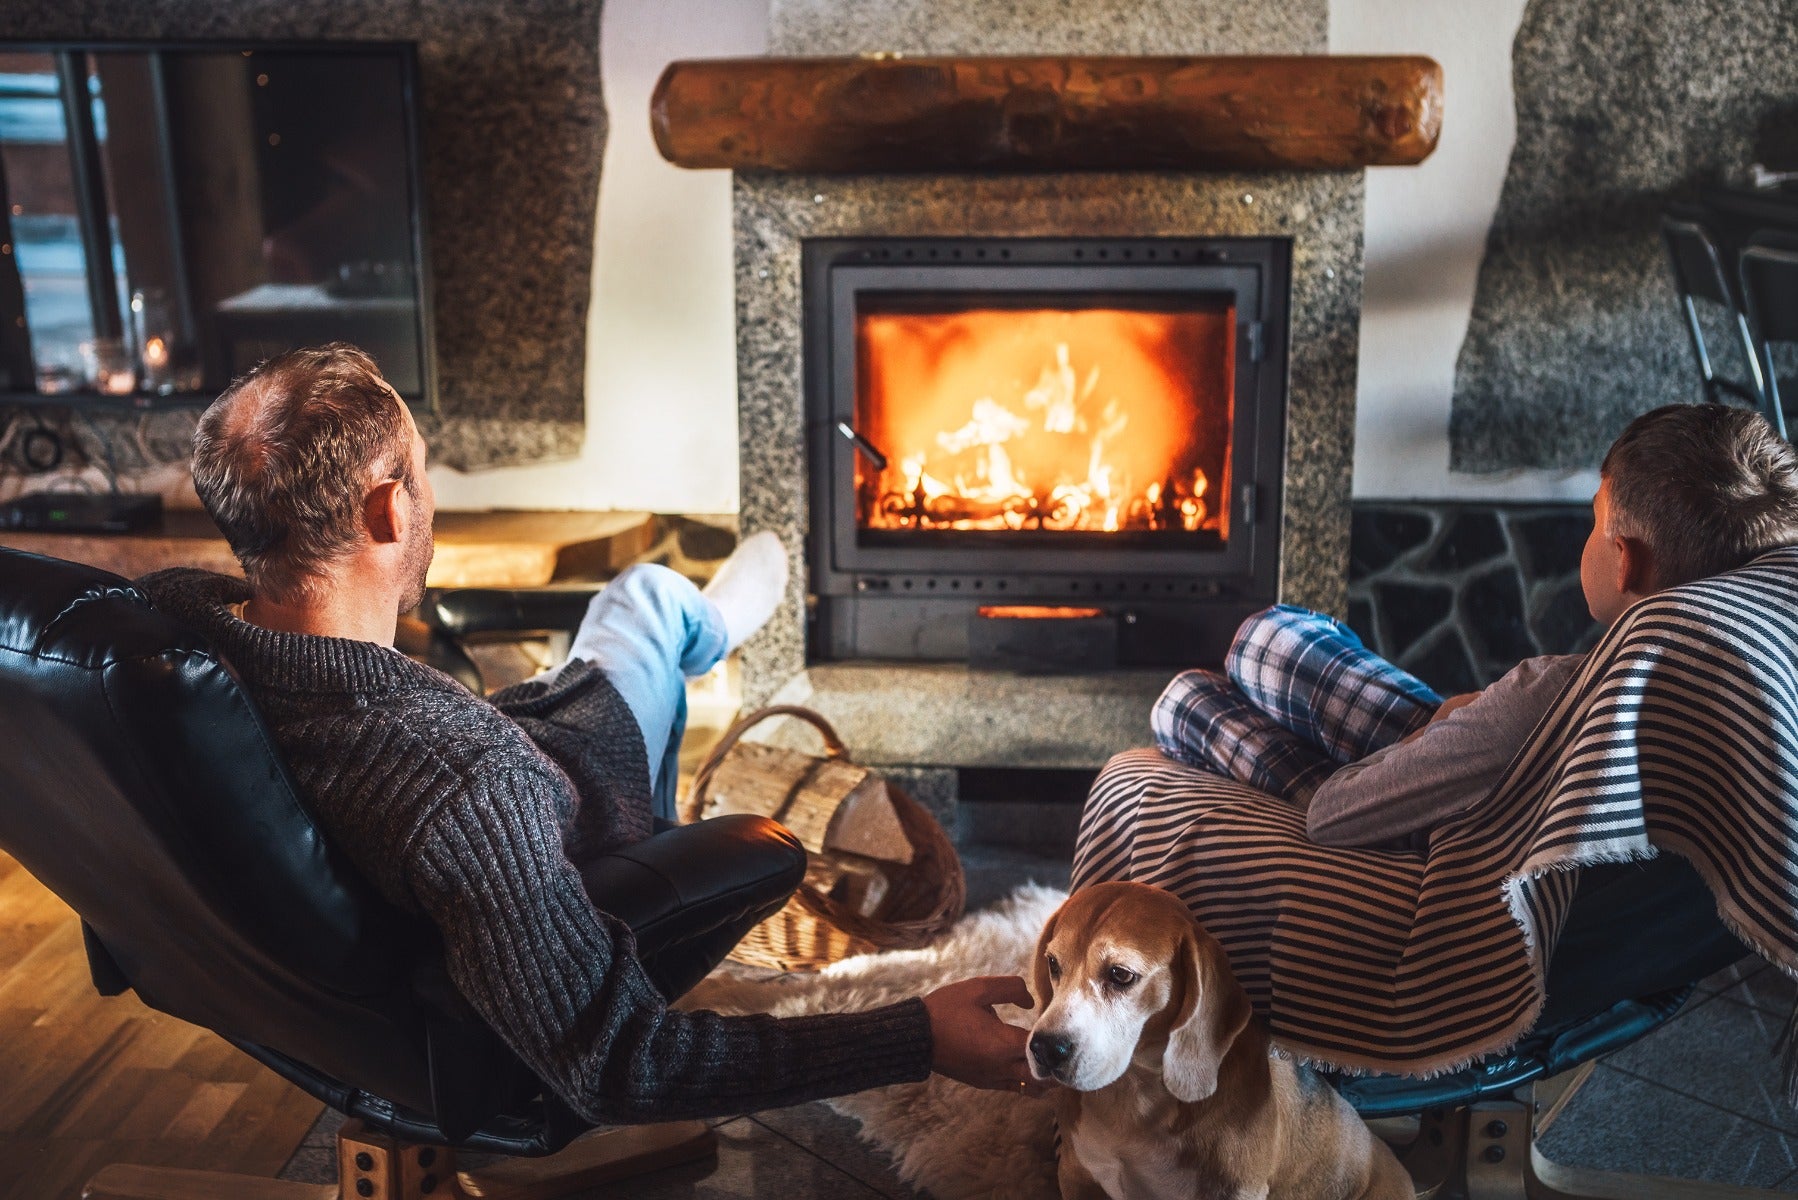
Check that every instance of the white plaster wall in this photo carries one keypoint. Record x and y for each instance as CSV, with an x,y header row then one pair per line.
x,y
661,348
661,372
1426,232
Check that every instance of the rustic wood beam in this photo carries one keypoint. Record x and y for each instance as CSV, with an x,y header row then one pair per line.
x,y
877,114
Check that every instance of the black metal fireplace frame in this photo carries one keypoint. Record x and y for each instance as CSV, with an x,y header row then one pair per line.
x,y
913,600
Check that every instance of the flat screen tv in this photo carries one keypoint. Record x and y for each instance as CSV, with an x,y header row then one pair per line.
x,y
173,214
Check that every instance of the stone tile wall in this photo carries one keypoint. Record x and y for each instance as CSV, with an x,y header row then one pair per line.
x,y
1459,593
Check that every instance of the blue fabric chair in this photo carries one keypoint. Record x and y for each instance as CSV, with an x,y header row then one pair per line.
x,y
1648,822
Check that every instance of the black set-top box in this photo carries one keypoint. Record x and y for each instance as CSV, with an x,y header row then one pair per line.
x,y
81,512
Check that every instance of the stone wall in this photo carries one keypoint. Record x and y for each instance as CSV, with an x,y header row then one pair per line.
x,y
1620,108
821,27
512,127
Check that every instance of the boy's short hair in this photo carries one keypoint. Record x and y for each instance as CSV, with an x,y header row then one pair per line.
x,y
283,459
1706,486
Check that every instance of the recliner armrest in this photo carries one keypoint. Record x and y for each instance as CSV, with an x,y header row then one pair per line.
x,y
693,878
463,611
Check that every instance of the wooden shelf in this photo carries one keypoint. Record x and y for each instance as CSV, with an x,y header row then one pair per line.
x,y
492,549
879,114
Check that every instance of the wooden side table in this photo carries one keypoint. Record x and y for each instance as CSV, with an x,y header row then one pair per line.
x,y
490,549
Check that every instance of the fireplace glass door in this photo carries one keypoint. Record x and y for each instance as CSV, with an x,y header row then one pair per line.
x,y
992,422
1064,424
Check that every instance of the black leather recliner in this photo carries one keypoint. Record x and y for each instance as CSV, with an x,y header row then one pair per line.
x,y
142,787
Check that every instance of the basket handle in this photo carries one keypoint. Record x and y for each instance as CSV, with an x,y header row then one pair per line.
x,y
702,778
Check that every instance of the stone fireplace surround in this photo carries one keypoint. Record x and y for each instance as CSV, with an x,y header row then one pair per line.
x,y
925,720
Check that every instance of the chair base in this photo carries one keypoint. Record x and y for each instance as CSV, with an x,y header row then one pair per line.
x,y
373,1166
1487,1151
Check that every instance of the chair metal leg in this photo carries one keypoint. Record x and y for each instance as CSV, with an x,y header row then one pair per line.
x,y
1551,1095
1433,1157
1488,1151
373,1166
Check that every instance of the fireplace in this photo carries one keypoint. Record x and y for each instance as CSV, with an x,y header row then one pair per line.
x,y
1017,434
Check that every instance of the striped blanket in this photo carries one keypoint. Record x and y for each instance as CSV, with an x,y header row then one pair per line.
x,y
1679,733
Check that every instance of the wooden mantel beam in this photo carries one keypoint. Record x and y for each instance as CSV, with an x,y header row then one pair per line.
x,y
887,113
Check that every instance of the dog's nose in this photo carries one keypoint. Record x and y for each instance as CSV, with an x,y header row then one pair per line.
x,y
1050,1050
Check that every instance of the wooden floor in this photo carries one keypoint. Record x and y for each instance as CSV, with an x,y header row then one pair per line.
x,y
86,1080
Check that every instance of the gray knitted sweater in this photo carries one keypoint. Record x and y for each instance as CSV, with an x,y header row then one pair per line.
x,y
469,812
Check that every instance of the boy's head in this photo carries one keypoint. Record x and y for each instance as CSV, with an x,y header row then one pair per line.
x,y
1687,491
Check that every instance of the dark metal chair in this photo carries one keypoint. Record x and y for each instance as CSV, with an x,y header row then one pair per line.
x,y
1477,1128
1700,273
1769,278
142,787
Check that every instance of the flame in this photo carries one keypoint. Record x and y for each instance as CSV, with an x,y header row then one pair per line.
x,y
1053,419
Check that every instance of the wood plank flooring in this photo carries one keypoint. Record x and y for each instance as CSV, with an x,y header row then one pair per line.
x,y
87,1080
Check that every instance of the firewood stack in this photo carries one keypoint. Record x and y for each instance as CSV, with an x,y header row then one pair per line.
x,y
880,868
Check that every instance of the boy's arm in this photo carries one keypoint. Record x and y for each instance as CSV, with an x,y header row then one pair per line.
x,y
1442,711
1444,768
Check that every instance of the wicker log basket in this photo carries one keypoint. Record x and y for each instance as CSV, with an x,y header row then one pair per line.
x,y
850,903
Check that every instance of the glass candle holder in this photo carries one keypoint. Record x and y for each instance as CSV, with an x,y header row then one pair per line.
x,y
62,367
153,321
110,369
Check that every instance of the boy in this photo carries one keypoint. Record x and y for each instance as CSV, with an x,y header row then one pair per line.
x,y
1377,759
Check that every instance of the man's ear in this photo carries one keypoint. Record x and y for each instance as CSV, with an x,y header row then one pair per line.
x,y
1213,1011
1635,567
384,512
1040,984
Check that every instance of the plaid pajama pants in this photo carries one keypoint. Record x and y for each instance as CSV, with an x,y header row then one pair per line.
x,y
1298,697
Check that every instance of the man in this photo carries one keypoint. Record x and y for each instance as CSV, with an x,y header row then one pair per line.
x,y
476,814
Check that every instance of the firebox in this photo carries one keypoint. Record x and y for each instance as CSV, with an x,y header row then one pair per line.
x,y
1076,443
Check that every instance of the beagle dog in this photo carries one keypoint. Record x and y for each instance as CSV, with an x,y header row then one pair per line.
x,y
1168,1085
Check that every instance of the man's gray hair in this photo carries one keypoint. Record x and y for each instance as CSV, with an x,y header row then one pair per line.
x,y
1706,486
285,456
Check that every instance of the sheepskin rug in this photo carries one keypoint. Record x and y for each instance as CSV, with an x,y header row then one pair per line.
x,y
952,1140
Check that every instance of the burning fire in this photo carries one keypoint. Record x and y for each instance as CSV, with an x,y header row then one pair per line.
x,y
1087,419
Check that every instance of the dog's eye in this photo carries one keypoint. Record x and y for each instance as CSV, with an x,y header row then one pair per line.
x,y
1121,977
1054,967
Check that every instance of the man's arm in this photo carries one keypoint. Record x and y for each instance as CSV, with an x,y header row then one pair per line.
x,y
1442,769
560,983
581,722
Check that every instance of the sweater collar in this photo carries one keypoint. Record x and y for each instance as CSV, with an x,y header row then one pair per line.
x,y
296,662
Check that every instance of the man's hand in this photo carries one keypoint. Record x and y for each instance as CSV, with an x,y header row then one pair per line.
x,y
969,1043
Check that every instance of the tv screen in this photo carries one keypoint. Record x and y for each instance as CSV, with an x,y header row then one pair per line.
x,y
174,214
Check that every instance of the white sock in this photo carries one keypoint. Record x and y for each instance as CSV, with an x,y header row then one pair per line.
x,y
750,585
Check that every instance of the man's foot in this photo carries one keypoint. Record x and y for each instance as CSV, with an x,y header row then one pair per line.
x,y
749,586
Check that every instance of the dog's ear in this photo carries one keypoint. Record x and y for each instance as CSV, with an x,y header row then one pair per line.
x,y
1213,1011
1040,984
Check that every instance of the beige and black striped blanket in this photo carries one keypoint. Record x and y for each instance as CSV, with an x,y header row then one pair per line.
x,y
1679,734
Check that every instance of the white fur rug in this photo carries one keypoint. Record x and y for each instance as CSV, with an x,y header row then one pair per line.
x,y
952,1140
